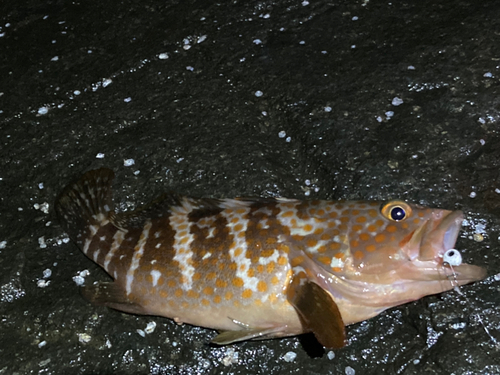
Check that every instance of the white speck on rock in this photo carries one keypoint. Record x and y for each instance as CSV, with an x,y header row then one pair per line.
x,y
150,327
128,162
330,355
397,101
55,58
141,332
290,356
107,82
3,244
42,283
84,337
257,41
472,194
389,114
42,344
163,56
43,110
487,75
282,134
258,93
47,273
100,155
230,358
349,371
127,100
411,67
328,109
305,3
41,242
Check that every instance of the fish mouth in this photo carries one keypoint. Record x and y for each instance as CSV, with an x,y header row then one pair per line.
x,y
438,235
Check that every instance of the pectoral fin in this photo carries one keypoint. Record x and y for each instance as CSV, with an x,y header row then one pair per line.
x,y
317,310
111,295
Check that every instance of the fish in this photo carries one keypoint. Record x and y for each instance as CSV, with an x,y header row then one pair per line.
x,y
262,268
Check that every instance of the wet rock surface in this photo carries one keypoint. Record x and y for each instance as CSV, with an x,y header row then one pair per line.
x,y
306,99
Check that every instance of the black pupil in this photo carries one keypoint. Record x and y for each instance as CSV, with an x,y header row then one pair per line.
x,y
397,213
451,253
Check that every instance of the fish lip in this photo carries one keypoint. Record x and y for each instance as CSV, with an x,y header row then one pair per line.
x,y
454,223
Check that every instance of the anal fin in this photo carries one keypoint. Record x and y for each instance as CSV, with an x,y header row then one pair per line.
x,y
110,294
318,311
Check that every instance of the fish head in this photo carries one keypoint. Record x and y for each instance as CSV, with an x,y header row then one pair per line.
x,y
393,253
409,241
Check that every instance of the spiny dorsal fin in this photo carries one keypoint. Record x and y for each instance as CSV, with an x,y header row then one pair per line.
x,y
318,311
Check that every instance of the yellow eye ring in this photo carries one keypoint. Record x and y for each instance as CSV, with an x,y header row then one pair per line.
x,y
396,210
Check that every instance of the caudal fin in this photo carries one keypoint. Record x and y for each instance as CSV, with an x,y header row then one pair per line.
x,y
86,204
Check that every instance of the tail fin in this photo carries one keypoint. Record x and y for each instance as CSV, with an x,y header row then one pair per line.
x,y
86,203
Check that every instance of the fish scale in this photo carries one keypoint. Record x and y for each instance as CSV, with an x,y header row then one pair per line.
x,y
252,268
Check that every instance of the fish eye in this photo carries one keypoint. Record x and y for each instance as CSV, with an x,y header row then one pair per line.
x,y
452,257
396,210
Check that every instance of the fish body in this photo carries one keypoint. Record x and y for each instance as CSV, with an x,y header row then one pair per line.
x,y
261,268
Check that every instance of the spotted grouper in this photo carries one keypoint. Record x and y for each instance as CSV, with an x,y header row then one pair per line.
x,y
262,268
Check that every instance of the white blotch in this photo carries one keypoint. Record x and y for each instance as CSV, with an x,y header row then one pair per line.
x,y
257,41
84,337
157,234
331,355
487,75
55,58
102,238
42,344
41,242
96,255
206,256
138,253
258,93
158,245
336,262
163,56
282,134
155,274
127,100
273,258
115,245
349,371
211,232
100,155
3,244
43,110
43,283
411,67
141,332
230,358
47,273
107,82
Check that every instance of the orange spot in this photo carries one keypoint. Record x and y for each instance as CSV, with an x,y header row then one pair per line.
x,y
333,215
258,302
355,212
192,294
324,237
319,231
293,222
208,291
322,249
308,227
391,228
359,254
271,240
241,234
238,282
185,305
233,266
228,296
260,268
371,248
182,233
343,227
273,297
334,245
178,293
287,214
344,219
242,267
182,226
282,261
364,236
163,294
171,283
361,219
379,222
421,214
236,303
238,252
234,220
311,242
380,238
336,269
196,276
211,275
354,243
266,253
184,240
346,212
312,211
356,228
217,299
270,267
262,286
275,280
404,225
205,302
240,211
297,237
373,213
220,283
297,260
251,272
340,255
325,260
416,221
321,212
149,279
372,228
247,293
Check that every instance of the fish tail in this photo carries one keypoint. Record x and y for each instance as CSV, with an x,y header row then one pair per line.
x,y
86,204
